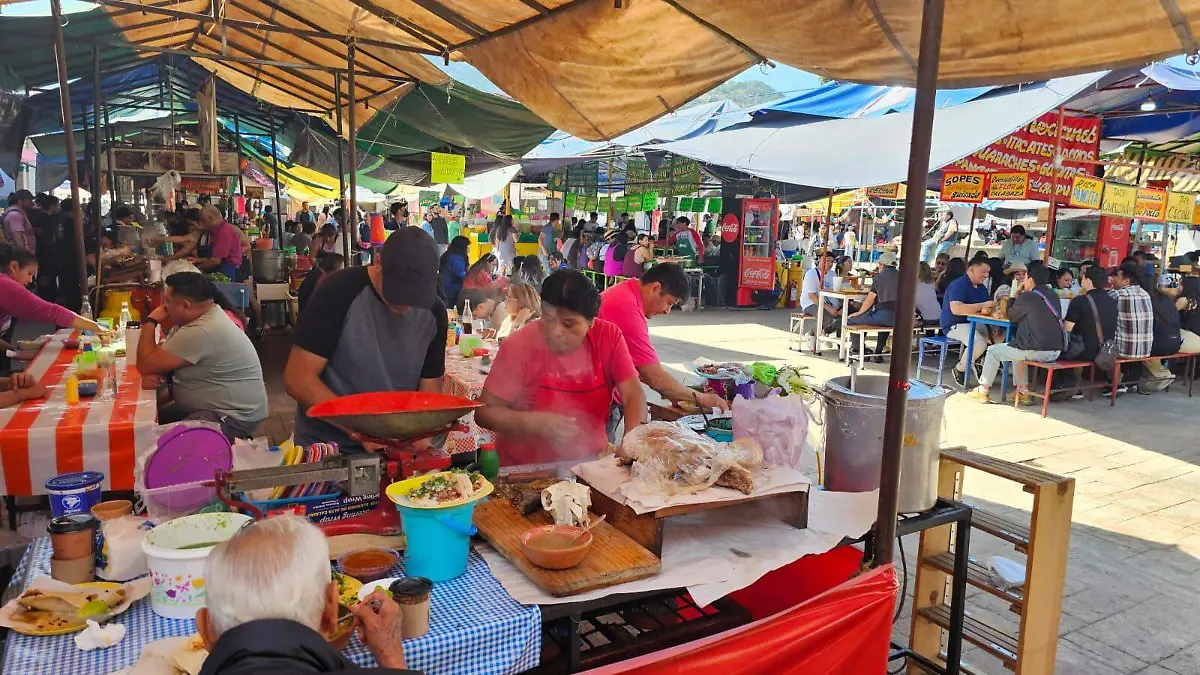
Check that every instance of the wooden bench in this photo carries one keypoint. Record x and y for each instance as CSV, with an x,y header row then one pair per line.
x,y
1052,367
862,331
1189,372
796,329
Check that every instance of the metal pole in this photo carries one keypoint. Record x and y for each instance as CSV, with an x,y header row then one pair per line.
x,y
96,189
352,216
970,233
914,211
1052,214
274,166
337,108
610,195
828,228
110,135
237,145
670,204
60,56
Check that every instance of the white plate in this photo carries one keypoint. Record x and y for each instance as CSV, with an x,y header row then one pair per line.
x,y
368,589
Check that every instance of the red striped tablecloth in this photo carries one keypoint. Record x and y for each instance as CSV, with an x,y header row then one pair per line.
x,y
463,378
42,439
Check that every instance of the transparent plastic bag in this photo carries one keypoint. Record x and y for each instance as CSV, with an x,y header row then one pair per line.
x,y
670,459
778,423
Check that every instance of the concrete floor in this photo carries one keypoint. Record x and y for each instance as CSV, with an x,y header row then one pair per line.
x,y
1132,598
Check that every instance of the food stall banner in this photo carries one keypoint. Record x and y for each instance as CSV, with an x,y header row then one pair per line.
x,y
428,198
1008,185
633,202
1119,200
1181,207
1031,148
578,178
687,175
620,204
569,201
447,168
688,204
650,201
1086,192
157,161
963,186
1151,205
714,205
846,629
889,191
589,203
254,191
604,203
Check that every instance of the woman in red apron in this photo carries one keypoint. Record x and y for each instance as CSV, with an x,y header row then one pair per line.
x,y
549,391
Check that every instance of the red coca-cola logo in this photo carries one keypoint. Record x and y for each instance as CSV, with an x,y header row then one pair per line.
x,y
730,227
757,273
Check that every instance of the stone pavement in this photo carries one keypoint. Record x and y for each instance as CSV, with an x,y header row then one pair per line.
x,y
1132,597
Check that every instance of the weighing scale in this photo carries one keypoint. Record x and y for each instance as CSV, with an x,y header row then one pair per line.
x,y
395,421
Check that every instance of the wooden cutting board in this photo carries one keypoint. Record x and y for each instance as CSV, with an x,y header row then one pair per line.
x,y
613,559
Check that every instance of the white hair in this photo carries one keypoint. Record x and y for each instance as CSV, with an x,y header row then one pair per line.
x,y
277,569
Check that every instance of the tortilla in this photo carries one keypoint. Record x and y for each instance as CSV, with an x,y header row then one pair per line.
x,y
189,657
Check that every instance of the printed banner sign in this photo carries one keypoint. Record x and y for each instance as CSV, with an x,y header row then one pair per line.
x,y
447,168
1181,207
604,203
620,203
714,205
427,198
254,192
889,191
569,201
1031,148
1008,185
685,204
632,202
589,204
1119,200
1086,192
650,201
963,186
157,161
686,171
1151,205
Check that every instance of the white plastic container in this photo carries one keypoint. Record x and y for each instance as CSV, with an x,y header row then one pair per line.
x,y
177,572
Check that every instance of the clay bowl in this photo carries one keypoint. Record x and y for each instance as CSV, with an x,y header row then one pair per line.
x,y
555,558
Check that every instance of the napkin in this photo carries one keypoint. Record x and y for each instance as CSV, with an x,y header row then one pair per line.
x,y
96,636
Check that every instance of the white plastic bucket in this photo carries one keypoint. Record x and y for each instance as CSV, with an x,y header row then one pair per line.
x,y
176,572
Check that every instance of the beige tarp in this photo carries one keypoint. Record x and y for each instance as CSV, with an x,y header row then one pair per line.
x,y
596,70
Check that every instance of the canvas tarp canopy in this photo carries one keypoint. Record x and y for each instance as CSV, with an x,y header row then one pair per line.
x,y
874,150
562,58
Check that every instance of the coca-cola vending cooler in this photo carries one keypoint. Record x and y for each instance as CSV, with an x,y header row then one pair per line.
x,y
1086,235
756,265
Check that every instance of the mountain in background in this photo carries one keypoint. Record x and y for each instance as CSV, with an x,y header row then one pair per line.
x,y
746,93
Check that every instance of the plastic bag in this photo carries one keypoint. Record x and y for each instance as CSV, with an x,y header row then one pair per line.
x,y
256,454
671,459
121,556
778,423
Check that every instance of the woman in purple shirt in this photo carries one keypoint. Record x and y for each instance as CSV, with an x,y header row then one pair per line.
x,y
17,302
614,259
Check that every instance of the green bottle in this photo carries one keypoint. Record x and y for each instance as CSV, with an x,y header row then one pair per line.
x,y
489,462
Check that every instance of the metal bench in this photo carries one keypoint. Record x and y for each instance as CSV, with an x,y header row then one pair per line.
x,y
942,344
1052,367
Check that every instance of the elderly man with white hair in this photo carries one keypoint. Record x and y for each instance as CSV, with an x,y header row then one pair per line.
x,y
269,597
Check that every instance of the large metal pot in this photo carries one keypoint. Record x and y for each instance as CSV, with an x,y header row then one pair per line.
x,y
854,438
269,265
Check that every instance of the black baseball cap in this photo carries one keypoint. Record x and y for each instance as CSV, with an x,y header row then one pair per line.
x,y
410,268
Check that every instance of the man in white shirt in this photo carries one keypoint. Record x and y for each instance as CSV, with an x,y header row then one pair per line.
x,y
1019,248
815,280
946,236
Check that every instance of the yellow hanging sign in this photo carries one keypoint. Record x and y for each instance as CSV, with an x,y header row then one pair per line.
x,y
889,191
1086,192
1181,207
1151,205
447,168
1008,185
1119,200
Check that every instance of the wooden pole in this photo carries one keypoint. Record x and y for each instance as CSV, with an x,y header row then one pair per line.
x,y
60,57
337,97
96,94
1052,215
352,216
914,211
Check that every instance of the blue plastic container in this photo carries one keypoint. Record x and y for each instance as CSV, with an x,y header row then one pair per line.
x,y
72,493
438,541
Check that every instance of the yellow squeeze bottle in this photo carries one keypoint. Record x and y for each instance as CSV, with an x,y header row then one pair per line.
x,y
72,389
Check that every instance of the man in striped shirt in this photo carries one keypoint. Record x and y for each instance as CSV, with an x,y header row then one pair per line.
x,y
1135,314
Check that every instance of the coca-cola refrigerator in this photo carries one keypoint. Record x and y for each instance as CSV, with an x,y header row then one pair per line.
x,y
1086,235
756,267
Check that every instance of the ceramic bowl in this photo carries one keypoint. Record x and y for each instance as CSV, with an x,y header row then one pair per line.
x,y
556,558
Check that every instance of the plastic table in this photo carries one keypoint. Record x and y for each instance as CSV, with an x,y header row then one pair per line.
x,y
979,319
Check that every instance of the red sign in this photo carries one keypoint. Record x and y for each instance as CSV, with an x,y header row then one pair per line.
x,y
730,227
1031,148
760,218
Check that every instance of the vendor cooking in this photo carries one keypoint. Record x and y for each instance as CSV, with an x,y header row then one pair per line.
x,y
548,394
369,329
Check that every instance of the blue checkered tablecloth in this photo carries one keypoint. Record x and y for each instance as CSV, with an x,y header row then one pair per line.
x,y
475,629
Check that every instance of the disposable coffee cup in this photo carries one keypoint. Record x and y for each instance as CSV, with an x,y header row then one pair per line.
x,y
133,334
413,595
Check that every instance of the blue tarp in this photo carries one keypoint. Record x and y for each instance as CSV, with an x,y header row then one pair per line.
x,y
840,100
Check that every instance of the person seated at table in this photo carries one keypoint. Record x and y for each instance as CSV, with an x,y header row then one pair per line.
x,y
269,598
18,388
1135,318
1063,280
638,255
966,295
556,261
929,310
452,269
520,307
879,307
225,252
1037,335
1019,248
939,265
1168,337
216,374
550,388
1187,301
528,270
614,257
481,276
815,281
1092,309
17,302
955,268
1014,277
630,305
367,329
330,263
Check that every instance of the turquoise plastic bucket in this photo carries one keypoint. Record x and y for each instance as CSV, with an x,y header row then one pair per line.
x,y
438,541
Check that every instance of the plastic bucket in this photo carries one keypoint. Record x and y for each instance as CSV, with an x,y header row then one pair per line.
x,y
73,493
438,541
177,571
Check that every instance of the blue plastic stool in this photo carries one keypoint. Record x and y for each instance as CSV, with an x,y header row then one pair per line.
x,y
940,343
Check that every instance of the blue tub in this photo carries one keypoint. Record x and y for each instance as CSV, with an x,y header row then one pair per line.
x,y
72,493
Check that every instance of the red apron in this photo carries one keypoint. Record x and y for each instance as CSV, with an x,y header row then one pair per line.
x,y
586,399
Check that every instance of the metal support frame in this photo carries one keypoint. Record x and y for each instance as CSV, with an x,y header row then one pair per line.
x,y
96,96
914,212
351,218
60,54
275,169
110,137
337,90
237,142
1052,214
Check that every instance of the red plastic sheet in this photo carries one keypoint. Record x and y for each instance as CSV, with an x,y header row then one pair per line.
x,y
844,630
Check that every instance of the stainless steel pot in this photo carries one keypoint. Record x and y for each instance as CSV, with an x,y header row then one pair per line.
x,y
269,265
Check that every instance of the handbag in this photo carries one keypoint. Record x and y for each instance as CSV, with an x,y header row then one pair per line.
x,y
1106,358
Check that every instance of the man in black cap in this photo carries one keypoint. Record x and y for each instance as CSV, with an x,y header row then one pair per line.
x,y
369,329
16,230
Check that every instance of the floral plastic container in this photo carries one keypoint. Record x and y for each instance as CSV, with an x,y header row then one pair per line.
x,y
175,554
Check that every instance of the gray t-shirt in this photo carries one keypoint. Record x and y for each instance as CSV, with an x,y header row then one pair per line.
x,y
886,285
301,241
225,375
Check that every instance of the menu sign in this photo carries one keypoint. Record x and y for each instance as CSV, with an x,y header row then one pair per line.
x,y
1151,205
1181,207
1086,192
963,186
1008,185
1119,200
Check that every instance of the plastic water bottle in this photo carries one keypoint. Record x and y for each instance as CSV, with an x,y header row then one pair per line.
x,y
86,310
125,318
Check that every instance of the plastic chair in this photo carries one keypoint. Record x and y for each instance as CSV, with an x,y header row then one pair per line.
x,y
942,344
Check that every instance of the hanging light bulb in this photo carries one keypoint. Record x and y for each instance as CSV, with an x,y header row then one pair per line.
x,y
1148,105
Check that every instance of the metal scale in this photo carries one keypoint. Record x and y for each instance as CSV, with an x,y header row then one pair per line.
x,y
398,421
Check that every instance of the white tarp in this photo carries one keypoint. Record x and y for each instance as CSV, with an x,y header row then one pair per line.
x,y
854,153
